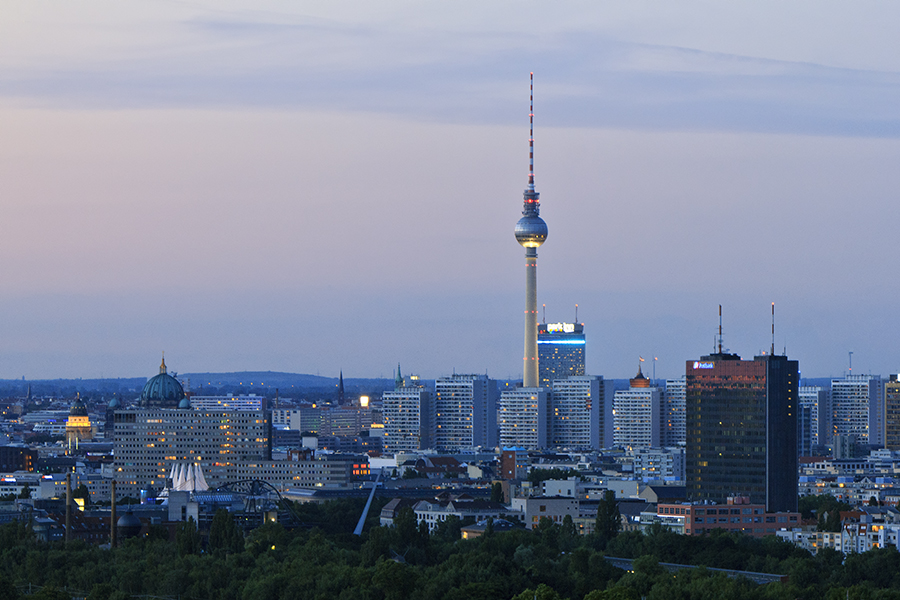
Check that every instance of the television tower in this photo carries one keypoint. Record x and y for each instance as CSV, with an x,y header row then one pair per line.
x,y
531,231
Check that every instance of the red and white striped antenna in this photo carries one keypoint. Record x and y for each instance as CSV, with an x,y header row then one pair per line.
x,y
531,135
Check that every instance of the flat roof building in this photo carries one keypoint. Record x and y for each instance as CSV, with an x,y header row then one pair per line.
x,y
673,432
637,415
524,418
408,418
741,421
465,409
892,412
857,410
580,413
560,351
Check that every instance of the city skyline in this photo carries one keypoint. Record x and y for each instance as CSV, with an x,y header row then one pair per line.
x,y
326,188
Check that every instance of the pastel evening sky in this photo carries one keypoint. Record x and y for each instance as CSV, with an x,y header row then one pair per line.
x,y
315,186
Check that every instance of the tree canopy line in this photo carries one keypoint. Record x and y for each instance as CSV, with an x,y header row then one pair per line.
x,y
325,560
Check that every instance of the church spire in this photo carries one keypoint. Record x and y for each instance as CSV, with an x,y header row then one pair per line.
x,y
341,387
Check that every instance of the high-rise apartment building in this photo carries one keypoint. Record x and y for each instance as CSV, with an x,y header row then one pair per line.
x,y
560,351
524,418
580,413
804,430
814,401
857,408
741,420
465,412
408,419
637,414
673,433
227,446
149,442
892,412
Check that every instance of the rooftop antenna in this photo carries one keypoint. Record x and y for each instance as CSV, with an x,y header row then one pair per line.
x,y
576,313
720,329
545,314
531,134
773,330
851,362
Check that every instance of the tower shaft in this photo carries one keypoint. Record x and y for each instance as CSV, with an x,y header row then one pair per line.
x,y
530,374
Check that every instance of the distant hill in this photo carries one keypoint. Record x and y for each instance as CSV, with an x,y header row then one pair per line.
x,y
238,382
68,387
269,380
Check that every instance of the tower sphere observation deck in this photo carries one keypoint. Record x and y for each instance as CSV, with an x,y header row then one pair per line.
x,y
531,231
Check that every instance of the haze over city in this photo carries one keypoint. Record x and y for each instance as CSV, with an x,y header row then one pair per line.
x,y
327,187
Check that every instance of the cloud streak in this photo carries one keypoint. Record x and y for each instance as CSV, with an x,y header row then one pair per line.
x,y
586,79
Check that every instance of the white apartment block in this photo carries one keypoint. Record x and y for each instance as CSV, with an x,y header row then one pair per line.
x,y
533,509
664,463
465,409
149,442
858,409
243,402
408,419
299,419
817,399
636,418
580,413
524,418
674,431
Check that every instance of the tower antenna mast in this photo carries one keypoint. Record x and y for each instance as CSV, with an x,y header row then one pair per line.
x,y
531,132
720,329
773,330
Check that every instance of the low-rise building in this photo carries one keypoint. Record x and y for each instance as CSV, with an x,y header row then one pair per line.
x,y
736,515
433,512
535,508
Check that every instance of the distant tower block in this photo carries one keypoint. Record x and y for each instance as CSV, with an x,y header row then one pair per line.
x,y
560,351
531,231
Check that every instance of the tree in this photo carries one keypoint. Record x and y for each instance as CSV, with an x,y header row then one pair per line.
x,y
224,535
7,590
25,494
489,527
406,526
615,593
543,592
410,473
826,508
448,530
568,526
82,492
497,492
50,592
609,519
536,476
187,538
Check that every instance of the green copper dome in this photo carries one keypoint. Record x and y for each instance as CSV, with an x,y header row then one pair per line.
x,y
162,390
78,408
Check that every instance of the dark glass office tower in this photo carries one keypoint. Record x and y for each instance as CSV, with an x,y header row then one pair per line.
x,y
741,418
560,351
